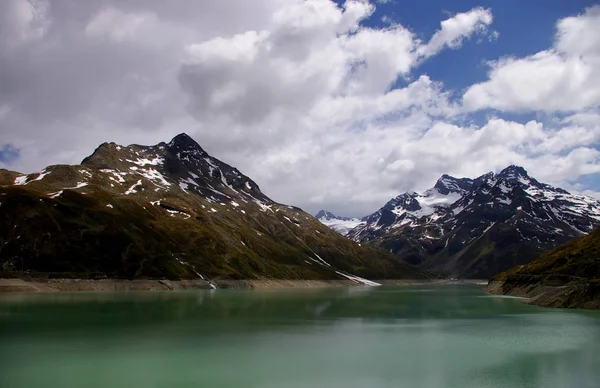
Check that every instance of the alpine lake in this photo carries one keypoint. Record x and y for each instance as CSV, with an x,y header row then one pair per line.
x,y
453,336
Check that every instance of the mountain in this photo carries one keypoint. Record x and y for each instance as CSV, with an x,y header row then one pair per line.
x,y
474,228
342,225
567,276
168,211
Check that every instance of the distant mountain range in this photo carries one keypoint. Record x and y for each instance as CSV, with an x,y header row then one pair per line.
x,y
342,225
168,211
475,228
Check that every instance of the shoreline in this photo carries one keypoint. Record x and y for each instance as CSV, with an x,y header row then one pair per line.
x,y
11,285
579,294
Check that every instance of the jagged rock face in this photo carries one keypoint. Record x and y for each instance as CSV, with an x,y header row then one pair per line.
x,y
447,184
475,228
167,211
181,160
342,225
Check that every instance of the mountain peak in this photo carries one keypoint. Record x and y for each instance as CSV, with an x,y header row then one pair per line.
x,y
449,184
327,215
513,171
103,156
183,141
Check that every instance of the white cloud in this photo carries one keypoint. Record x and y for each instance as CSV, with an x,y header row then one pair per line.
x,y
564,78
456,29
118,25
297,94
22,21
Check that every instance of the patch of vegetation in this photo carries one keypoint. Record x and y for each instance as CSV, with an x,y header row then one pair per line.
x,y
577,259
76,235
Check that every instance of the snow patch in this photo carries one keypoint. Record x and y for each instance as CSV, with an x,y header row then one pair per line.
x,y
173,213
343,227
42,175
358,279
55,195
132,190
142,161
264,207
21,180
153,175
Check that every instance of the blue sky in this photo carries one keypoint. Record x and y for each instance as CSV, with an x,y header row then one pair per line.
x,y
525,27
8,153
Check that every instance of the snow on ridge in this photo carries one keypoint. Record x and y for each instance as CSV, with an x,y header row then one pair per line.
x,y
429,202
143,161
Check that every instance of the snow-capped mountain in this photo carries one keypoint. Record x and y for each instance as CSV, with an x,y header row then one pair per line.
x,y
476,227
168,210
342,225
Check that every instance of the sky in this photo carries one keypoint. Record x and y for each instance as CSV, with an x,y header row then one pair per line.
x,y
333,105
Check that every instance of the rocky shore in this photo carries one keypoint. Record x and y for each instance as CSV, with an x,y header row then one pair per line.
x,y
71,285
578,293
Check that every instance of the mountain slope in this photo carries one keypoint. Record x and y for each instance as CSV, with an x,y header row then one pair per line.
x,y
475,228
567,276
168,211
342,225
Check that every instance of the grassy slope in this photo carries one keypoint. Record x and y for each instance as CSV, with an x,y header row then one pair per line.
x,y
579,258
77,235
567,276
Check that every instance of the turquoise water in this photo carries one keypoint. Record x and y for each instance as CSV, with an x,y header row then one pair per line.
x,y
442,336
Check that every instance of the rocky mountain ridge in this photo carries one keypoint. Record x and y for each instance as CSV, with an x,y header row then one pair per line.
x,y
168,211
476,227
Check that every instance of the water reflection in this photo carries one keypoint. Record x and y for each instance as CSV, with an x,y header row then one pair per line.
x,y
293,306
442,336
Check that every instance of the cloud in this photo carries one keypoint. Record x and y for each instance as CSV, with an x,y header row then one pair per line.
x,y
75,74
456,29
315,68
302,96
564,78
22,21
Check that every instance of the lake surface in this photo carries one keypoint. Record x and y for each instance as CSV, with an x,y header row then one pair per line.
x,y
435,336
